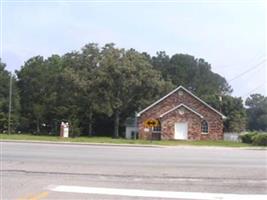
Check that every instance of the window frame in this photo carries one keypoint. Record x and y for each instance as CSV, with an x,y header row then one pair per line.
x,y
204,128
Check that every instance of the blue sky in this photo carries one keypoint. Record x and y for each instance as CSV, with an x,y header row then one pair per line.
x,y
230,35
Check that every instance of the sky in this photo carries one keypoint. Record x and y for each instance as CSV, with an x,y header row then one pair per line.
x,y
230,35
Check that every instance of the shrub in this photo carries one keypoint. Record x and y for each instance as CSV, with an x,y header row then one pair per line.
x,y
248,137
260,139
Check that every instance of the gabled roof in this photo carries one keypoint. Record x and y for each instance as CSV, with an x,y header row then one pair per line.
x,y
181,105
190,93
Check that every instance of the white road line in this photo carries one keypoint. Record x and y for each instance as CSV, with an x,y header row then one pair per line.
x,y
155,194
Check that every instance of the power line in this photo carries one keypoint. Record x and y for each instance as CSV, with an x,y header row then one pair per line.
x,y
255,58
256,88
248,70
259,71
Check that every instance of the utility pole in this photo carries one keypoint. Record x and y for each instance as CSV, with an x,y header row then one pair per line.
x,y
220,99
10,105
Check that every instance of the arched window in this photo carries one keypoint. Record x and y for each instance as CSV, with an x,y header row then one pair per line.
x,y
204,126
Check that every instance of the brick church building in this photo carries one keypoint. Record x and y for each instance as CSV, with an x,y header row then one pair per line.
x,y
181,116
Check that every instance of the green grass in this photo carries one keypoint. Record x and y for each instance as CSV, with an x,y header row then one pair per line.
x,y
120,141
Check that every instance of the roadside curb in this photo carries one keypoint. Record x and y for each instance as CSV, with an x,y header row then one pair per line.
x,y
84,143
131,145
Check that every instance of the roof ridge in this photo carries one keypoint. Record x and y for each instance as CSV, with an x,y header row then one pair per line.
x,y
176,89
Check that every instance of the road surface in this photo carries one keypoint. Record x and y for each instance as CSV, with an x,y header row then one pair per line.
x,y
61,171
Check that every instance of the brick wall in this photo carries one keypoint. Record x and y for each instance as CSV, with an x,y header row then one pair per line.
x,y
214,120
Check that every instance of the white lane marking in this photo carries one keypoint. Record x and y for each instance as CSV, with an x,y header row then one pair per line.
x,y
155,194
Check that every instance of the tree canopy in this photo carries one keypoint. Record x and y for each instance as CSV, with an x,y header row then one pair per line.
x,y
194,74
97,88
257,112
4,99
4,88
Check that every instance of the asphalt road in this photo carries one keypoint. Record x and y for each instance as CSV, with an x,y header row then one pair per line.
x,y
59,171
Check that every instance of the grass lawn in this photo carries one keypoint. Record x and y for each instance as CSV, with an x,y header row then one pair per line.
x,y
120,141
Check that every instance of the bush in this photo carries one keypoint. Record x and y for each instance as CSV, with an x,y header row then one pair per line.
x,y
260,139
248,137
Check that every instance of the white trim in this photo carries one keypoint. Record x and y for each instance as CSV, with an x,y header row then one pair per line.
x,y
153,193
181,87
180,105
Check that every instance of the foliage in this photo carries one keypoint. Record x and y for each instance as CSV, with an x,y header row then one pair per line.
x,y
4,85
81,75
47,98
260,139
255,138
193,73
257,112
233,108
248,137
79,86
4,99
99,87
127,82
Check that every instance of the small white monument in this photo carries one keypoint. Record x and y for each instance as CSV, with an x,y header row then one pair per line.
x,y
64,129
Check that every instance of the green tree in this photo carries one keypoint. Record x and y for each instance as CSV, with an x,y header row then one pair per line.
x,y
4,93
161,62
40,88
82,76
257,112
32,88
91,87
4,100
126,82
233,109
194,74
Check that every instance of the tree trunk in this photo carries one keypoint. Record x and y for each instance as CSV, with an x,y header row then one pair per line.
x,y
90,124
37,125
116,124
